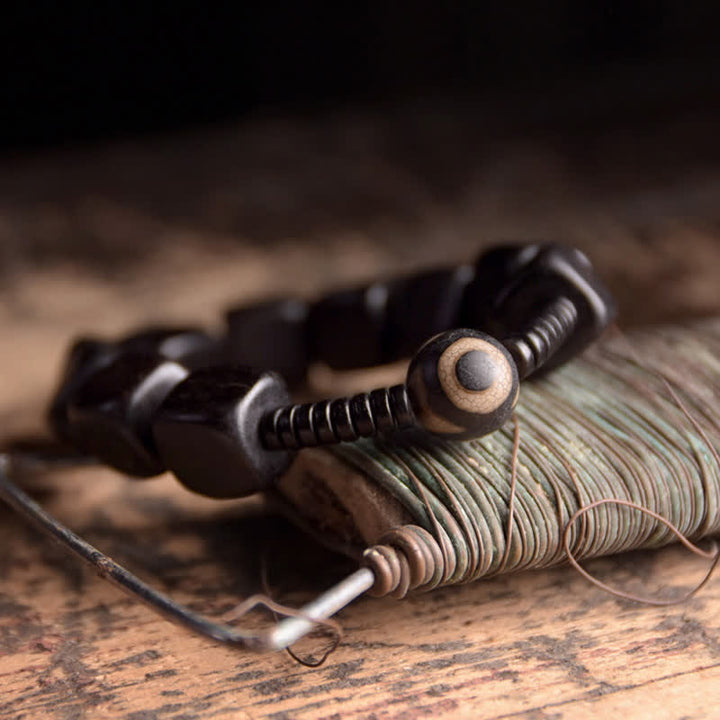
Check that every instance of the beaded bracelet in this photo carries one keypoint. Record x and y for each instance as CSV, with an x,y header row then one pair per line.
x,y
181,400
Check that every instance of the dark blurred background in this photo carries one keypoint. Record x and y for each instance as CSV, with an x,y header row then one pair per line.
x,y
87,70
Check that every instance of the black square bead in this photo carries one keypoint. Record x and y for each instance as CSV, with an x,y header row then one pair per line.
x,y
423,305
207,431
110,413
84,357
494,270
346,327
271,335
190,346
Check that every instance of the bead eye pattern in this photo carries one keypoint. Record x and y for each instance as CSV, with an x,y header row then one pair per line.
x,y
462,384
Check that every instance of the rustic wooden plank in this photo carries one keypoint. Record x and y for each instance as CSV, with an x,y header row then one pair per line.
x,y
506,646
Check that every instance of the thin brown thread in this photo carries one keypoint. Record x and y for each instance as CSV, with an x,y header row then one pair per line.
x,y
513,488
635,359
439,534
623,593
583,533
584,509
333,625
483,558
279,610
465,519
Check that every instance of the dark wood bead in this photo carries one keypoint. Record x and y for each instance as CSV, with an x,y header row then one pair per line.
x,y
495,269
382,412
207,431
270,335
362,415
557,272
341,420
285,426
111,411
423,305
514,288
303,423
193,347
400,406
346,327
321,420
462,384
85,357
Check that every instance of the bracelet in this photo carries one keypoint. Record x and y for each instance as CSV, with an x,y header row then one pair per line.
x,y
204,408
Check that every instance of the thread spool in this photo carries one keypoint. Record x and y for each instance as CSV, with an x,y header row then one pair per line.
x,y
604,427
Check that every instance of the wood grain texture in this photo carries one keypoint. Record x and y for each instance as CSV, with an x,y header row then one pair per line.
x,y
103,239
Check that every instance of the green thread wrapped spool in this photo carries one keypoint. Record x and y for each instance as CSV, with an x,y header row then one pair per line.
x,y
634,419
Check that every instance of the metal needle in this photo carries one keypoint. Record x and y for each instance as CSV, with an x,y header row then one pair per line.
x,y
282,635
290,630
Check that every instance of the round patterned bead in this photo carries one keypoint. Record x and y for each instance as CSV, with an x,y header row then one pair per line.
x,y
462,384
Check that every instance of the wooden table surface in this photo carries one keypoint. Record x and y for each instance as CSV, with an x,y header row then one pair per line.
x,y
174,228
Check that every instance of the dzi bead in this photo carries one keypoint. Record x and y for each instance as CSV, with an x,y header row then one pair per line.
x,y
109,414
271,335
462,384
207,431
